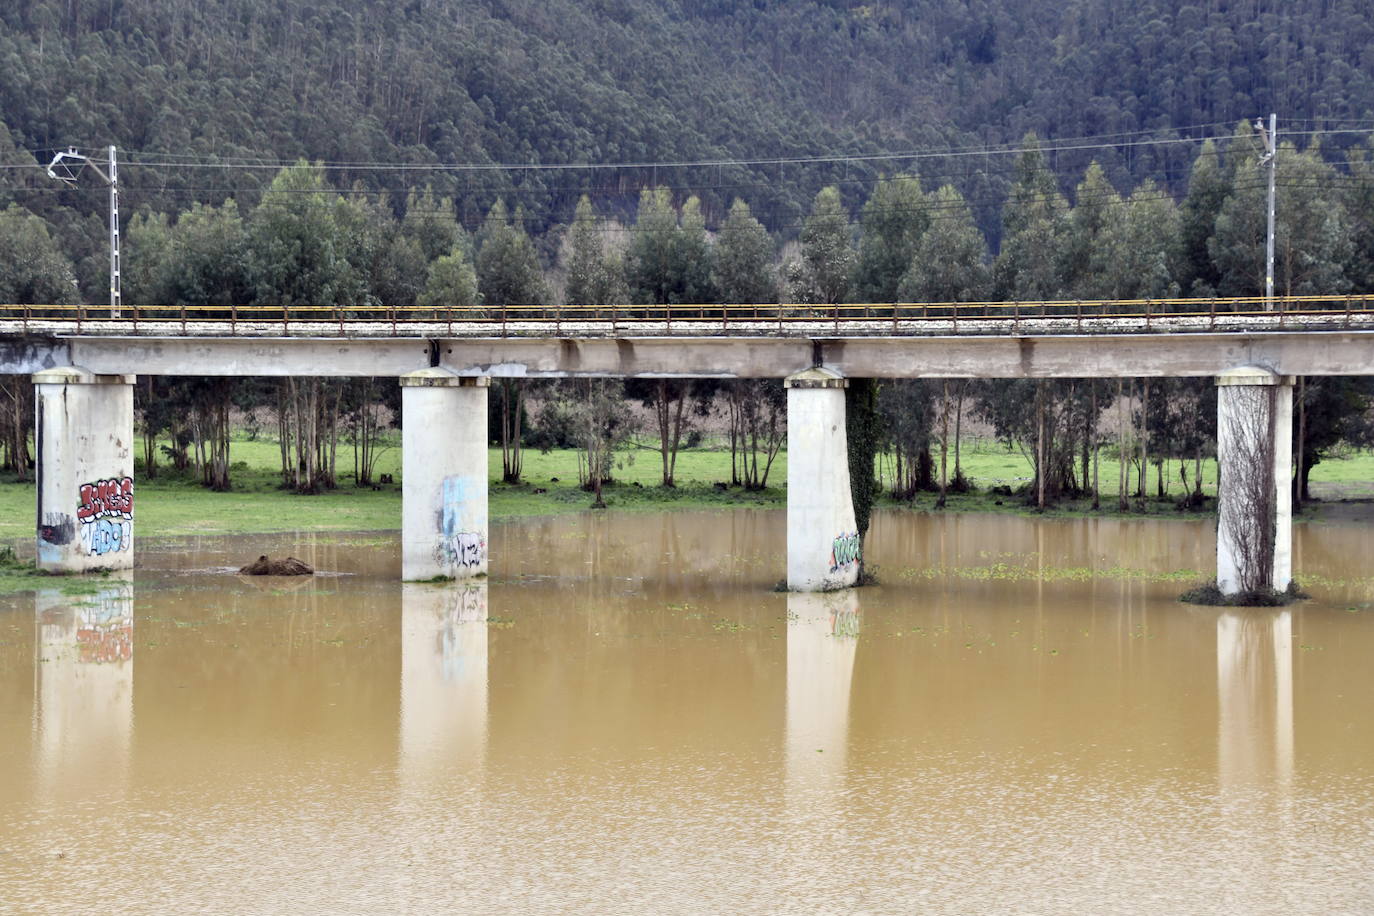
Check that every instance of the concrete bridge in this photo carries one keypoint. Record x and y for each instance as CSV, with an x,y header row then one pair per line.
x,y
84,365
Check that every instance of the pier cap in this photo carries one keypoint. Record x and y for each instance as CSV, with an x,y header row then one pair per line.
x,y
439,377
1252,375
816,377
72,375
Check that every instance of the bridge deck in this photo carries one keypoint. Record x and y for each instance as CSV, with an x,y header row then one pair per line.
x,y
985,340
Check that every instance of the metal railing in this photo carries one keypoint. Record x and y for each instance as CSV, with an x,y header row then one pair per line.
x,y
894,318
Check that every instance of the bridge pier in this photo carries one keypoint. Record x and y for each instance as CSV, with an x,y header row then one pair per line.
x,y
83,436
1254,499
822,538
444,475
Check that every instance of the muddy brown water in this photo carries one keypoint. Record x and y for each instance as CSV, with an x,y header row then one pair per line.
x,y
626,718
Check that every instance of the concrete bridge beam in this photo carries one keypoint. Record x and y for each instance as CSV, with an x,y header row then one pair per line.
x,y
444,475
822,538
1254,499
83,435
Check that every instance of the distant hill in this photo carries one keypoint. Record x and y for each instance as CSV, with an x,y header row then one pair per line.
x,y
558,82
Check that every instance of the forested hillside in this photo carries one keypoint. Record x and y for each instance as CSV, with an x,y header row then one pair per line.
x,y
217,83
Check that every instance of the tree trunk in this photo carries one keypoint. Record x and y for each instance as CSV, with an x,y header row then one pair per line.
x,y
734,427
517,463
1040,445
1144,439
1097,449
958,427
149,436
944,445
512,406
1086,455
668,404
1197,472
1300,489
1123,460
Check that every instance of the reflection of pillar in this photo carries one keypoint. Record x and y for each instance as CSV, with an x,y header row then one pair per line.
x,y
822,538
83,435
444,476
1255,698
1254,503
443,679
85,689
822,636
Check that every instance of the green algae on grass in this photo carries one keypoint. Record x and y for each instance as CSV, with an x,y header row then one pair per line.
x,y
18,575
1025,572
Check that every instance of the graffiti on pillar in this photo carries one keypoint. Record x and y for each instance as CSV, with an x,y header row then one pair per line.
x,y
106,513
455,546
467,549
58,528
845,551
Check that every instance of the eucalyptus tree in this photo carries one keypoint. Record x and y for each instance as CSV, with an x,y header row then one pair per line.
x,y
950,261
744,259
451,280
595,276
1097,205
33,270
294,252
508,269
1208,185
827,256
670,262
1035,221
892,222
508,273
1311,239
1359,209
746,273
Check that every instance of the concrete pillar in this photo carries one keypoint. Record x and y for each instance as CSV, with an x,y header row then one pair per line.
x,y
822,539
84,433
444,475
1254,502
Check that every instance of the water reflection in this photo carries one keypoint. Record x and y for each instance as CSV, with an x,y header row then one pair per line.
x,y
1255,698
641,719
822,639
85,673
443,679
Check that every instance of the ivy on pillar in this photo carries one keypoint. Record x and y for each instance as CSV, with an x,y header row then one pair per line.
x,y
444,475
83,439
823,545
1254,499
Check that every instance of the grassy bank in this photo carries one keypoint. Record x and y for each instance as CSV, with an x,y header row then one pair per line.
x,y
171,505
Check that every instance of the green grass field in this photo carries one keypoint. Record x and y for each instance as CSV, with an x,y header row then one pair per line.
x,y
169,505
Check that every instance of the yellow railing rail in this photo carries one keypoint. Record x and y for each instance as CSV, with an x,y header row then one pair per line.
x,y
913,317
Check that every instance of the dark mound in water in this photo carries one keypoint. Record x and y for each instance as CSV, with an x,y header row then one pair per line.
x,y
1210,595
263,566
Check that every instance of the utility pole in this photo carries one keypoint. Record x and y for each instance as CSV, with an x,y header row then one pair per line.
x,y
66,166
1270,158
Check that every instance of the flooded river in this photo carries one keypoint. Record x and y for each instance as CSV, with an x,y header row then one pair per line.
x,y
626,718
